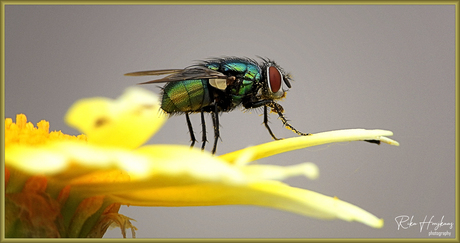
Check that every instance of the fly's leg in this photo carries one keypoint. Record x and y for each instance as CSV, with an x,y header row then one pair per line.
x,y
279,109
190,129
266,124
276,108
203,130
215,122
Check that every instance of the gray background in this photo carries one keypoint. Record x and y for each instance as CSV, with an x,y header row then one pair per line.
x,y
380,66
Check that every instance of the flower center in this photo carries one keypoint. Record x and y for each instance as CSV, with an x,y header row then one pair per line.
x,y
23,132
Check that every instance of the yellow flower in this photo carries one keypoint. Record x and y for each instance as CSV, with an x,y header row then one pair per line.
x,y
65,186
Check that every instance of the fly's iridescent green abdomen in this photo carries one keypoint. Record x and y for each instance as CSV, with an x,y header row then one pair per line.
x,y
220,85
186,96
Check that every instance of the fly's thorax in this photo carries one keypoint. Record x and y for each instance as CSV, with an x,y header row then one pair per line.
x,y
241,68
243,75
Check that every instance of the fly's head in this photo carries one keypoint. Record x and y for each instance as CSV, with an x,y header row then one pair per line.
x,y
274,81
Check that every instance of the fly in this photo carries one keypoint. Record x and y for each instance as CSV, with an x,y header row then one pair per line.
x,y
220,85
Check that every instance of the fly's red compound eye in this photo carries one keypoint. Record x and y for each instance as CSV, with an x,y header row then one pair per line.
x,y
274,79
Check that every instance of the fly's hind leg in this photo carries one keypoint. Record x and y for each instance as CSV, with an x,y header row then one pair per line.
x,y
203,130
215,121
190,129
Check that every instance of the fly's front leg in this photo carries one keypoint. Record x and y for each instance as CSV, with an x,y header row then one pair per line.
x,y
266,123
279,109
264,103
190,129
276,108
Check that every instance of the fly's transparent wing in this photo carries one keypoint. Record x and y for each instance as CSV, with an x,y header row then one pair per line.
x,y
180,74
154,72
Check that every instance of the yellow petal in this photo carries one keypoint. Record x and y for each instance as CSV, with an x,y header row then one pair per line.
x,y
66,161
127,122
270,194
308,203
289,144
168,175
274,172
180,176
70,161
169,166
34,160
186,161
